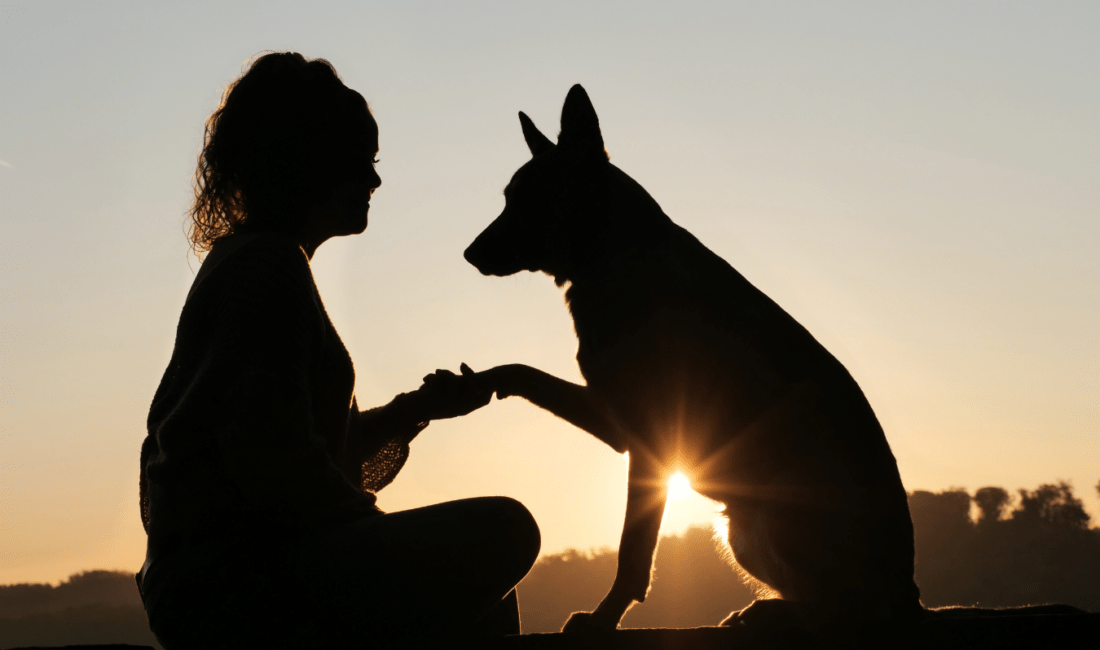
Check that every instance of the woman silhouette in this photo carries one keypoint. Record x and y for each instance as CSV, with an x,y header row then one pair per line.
x,y
259,470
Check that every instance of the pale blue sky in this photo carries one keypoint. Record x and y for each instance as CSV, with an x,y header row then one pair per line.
x,y
917,182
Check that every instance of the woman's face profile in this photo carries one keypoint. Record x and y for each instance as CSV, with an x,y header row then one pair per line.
x,y
346,179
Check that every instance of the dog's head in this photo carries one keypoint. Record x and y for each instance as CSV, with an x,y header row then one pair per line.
x,y
568,207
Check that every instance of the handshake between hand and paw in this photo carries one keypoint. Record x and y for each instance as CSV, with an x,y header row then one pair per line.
x,y
447,395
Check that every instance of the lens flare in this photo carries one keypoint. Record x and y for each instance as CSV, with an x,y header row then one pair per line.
x,y
678,486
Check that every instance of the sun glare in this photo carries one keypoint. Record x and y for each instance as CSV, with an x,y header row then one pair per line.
x,y
678,486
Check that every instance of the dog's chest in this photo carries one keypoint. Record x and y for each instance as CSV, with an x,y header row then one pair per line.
x,y
608,329
595,349
624,347
662,352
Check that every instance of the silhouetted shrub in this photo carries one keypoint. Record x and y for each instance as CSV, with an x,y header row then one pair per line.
x,y
91,607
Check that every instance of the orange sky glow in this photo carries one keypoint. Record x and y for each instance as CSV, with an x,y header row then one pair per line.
x,y
916,183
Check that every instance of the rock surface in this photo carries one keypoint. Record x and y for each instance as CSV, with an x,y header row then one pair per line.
x,y
1002,633
1054,631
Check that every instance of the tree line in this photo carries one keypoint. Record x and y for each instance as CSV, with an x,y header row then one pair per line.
x,y
91,607
1042,550
990,548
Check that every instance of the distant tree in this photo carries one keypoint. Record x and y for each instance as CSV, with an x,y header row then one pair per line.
x,y
1054,504
992,503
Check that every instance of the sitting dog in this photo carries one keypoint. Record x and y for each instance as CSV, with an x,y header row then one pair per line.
x,y
690,367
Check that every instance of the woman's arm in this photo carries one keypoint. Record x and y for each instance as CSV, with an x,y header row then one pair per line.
x,y
266,331
377,443
378,438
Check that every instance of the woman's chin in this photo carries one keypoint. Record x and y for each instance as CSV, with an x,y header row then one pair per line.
x,y
357,225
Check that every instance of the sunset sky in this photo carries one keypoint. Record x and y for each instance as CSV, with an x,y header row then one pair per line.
x,y
918,183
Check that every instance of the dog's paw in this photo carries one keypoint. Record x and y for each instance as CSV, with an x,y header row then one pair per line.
x,y
769,614
582,622
733,620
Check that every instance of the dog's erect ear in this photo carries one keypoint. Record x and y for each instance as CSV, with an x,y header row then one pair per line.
x,y
536,141
580,128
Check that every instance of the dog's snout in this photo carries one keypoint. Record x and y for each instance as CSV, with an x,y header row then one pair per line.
x,y
471,254
491,252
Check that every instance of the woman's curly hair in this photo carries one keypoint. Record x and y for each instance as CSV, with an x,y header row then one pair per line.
x,y
258,160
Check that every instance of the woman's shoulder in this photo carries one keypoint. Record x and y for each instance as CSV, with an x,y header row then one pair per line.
x,y
257,247
254,261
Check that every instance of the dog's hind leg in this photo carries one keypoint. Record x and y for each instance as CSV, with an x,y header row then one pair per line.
x,y
753,555
786,549
825,565
645,504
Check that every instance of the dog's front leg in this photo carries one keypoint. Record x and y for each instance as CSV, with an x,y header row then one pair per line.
x,y
645,505
571,402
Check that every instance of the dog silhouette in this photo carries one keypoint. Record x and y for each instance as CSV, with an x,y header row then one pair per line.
x,y
690,367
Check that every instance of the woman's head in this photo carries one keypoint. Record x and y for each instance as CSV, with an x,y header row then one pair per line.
x,y
290,148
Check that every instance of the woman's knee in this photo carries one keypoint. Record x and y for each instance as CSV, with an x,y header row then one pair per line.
x,y
510,526
525,530
518,521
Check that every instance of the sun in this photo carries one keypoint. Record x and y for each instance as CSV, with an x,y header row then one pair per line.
x,y
678,486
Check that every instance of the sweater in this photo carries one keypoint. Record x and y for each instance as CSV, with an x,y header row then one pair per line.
x,y
255,420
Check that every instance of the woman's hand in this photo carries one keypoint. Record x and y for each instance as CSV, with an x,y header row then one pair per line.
x,y
447,395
